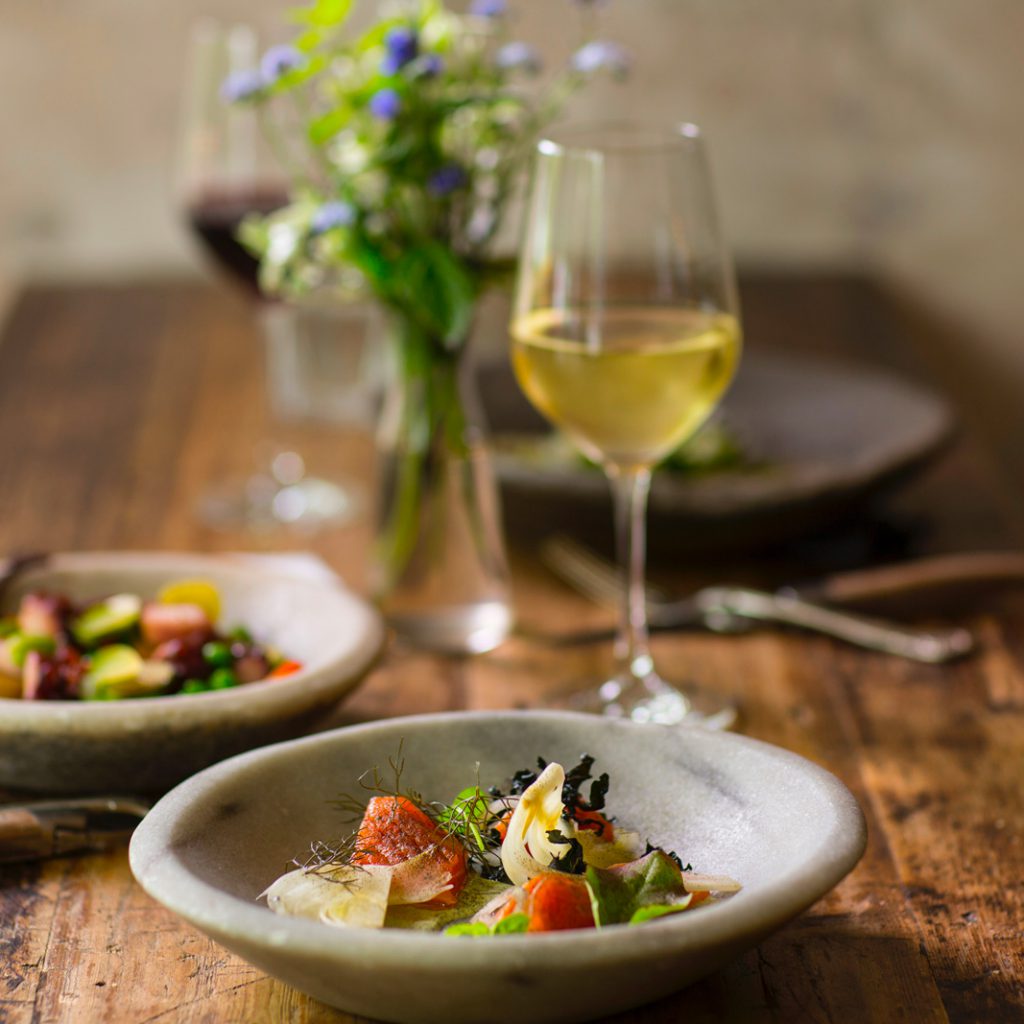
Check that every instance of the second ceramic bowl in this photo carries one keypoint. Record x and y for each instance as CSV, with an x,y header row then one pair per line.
x,y
148,745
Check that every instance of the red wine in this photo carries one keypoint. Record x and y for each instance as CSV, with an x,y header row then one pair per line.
x,y
215,216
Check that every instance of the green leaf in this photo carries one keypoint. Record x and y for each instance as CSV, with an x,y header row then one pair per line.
x,y
323,128
621,891
466,815
512,925
642,914
439,292
323,13
253,235
468,928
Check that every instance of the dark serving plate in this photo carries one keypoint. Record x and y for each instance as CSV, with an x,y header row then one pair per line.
x,y
822,437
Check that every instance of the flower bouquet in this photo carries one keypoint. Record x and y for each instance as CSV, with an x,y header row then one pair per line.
x,y
404,145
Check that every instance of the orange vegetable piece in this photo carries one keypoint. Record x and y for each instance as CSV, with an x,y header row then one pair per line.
x,y
501,825
596,822
557,903
285,668
394,830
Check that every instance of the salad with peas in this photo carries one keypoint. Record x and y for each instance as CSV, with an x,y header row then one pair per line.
x,y
125,646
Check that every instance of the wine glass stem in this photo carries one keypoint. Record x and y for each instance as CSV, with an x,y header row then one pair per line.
x,y
630,489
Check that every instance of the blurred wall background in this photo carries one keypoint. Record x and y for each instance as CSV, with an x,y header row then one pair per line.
x,y
880,134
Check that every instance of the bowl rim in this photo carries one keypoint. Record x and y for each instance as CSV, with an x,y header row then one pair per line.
x,y
266,696
168,881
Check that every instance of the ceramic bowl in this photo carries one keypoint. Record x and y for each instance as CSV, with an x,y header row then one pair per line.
x,y
149,745
785,828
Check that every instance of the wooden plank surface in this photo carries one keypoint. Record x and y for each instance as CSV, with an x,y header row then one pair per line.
x,y
119,405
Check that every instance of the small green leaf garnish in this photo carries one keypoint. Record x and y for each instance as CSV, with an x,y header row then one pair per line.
x,y
514,924
642,914
472,928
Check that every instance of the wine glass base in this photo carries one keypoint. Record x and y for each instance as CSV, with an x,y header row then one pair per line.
x,y
262,504
653,701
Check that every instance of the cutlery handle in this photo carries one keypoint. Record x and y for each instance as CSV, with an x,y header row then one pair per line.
x,y
951,581
55,828
932,646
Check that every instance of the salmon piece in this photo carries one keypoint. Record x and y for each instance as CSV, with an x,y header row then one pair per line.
x,y
394,830
557,903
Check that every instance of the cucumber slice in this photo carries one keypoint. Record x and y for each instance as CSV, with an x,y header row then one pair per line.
x,y
114,672
108,618
21,643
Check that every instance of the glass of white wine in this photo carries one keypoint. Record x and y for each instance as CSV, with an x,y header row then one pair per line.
x,y
626,334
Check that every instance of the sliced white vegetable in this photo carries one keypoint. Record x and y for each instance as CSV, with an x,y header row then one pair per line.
x,y
420,879
492,911
709,883
527,851
338,895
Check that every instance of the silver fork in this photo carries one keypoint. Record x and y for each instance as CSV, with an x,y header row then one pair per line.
x,y
736,609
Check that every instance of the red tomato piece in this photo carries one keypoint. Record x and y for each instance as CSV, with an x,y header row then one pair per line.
x,y
395,830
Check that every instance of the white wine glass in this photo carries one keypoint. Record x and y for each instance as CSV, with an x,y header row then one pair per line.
x,y
625,334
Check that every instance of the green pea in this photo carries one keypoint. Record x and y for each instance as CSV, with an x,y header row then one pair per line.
x,y
218,654
223,679
241,634
194,686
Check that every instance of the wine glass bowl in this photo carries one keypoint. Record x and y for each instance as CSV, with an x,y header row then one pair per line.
x,y
625,334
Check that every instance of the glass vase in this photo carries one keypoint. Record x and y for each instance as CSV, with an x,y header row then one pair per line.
x,y
440,572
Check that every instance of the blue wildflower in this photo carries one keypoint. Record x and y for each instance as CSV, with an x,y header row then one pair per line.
x,y
242,85
333,214
601,55
402,45
429,65
488,8
385,104
446,180
518,56
278,61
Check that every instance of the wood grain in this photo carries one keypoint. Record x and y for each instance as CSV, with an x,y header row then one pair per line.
x,y
119,405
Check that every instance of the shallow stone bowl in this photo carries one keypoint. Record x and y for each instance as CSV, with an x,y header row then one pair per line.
x,y
783,827
148,745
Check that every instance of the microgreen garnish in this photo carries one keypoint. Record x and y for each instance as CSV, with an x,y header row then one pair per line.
x,y
514,924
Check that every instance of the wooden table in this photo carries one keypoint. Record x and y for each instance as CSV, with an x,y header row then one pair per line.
x,y
119,404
